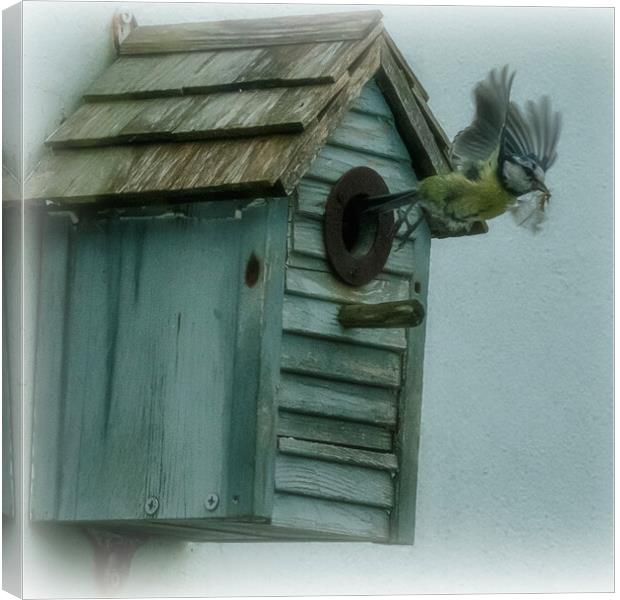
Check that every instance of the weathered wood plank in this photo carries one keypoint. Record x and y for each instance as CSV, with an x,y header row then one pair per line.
x,y
319,515
109,422
333,431
184,37
320,479
413,125
308,239
327,398
324,286
308,263
152,172
414,82
371,135
219,115
253,403
410,407
332,162
311,141
343,362
340,454
372,102
404,313
309,316
312,195
208,72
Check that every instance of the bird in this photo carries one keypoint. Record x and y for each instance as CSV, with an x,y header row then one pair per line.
x,y
499,163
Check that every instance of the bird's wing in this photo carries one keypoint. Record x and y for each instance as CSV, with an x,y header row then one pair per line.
x,y
480,142
534,134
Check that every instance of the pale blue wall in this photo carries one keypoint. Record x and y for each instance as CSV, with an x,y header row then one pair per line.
x,y
515,475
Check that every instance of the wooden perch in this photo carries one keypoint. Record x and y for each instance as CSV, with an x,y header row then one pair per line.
x,y
404,313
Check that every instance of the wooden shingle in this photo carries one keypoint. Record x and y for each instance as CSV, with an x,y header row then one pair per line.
x,y
232,108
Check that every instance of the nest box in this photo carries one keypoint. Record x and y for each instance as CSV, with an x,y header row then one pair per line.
x,y
192,372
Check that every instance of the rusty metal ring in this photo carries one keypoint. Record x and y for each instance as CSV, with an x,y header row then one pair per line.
x,y
357,245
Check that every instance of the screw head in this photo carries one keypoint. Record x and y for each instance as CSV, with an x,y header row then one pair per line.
x,y
212,501
151,505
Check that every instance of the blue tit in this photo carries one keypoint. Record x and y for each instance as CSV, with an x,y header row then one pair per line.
x,y
498,163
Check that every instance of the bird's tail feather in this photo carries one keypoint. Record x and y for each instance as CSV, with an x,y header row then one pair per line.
x,y
388,202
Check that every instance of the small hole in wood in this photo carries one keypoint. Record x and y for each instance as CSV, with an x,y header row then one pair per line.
x,y
358,230
235,499
252,271
417,287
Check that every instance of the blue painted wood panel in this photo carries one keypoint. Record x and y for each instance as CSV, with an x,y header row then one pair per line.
x,y
345,393
153,364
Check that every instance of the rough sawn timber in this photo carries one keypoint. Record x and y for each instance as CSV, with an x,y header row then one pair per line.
x,y
247,33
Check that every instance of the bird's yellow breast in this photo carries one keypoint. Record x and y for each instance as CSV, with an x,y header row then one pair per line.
x,y
453,195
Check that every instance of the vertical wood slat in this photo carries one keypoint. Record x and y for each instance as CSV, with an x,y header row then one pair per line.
x,y
270,335
410,407
12,347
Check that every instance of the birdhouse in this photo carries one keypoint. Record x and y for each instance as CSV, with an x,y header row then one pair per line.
x,y
204,367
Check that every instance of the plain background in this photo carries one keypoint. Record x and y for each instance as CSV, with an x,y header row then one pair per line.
x,y
515,480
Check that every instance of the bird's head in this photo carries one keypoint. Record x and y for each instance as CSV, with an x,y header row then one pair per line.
x,y
522,175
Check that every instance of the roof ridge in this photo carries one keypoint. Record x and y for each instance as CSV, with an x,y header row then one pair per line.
x,y
250,33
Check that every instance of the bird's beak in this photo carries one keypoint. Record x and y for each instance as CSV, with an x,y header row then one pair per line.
x,y
540,185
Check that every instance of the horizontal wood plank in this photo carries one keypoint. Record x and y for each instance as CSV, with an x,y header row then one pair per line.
x,y
243,33
219,115
318,318
333,431
372,102
308,239
339,454
327,398
332,162
327,516
324,286
340,361
370,134
320,479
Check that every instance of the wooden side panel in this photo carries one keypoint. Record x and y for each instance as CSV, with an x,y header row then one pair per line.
x,y
338,388
184,37
137,391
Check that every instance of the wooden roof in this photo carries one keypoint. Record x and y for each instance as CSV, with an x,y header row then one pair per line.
x,y
229,108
